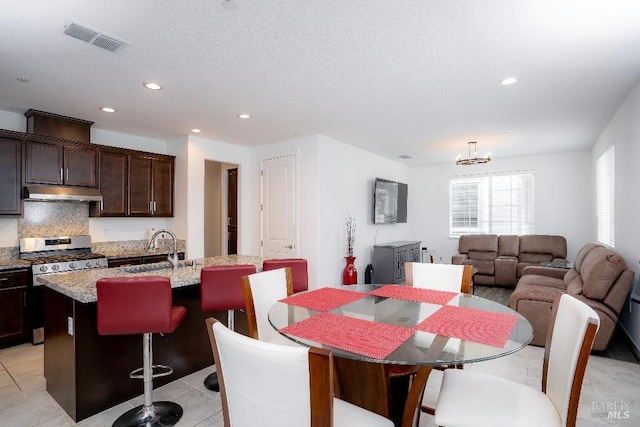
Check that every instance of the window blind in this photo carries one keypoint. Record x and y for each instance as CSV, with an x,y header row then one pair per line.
x,y
605,197
496,203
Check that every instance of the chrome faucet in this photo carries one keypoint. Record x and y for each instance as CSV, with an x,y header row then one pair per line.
x,y
172,257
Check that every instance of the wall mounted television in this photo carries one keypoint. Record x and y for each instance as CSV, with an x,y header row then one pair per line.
x,y
389,201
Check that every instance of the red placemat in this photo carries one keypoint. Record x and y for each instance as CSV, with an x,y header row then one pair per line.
x,y
481,326
323,299
410,293
371,339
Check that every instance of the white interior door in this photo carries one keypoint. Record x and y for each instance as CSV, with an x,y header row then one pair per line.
x,y
278,207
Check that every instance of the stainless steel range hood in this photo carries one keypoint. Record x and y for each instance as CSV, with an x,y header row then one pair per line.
x,y
54,193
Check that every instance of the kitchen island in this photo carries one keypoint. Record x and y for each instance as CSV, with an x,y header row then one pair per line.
x,y
87,373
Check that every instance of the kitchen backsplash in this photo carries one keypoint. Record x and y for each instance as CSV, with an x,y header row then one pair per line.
x,y
9,253
49,219
68,218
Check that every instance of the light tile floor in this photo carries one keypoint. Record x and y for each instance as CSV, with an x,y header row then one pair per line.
x,y
25,402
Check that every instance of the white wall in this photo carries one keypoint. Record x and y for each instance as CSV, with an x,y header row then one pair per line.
x,y
346,179
564,203
624,132
13,121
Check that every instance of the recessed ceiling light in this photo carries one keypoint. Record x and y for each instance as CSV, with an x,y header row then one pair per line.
x,y
509,81
108,109
244,116
194,130
152,86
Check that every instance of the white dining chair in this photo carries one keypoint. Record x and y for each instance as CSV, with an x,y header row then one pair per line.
x,y
441,277
261,291
266,384
470,398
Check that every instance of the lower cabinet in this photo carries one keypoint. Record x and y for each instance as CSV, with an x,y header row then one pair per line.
x,y
14,325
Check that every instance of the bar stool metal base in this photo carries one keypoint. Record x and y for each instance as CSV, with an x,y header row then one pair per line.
x,y
159,414
211,382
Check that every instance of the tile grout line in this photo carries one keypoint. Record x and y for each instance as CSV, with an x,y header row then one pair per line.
x,y
11,376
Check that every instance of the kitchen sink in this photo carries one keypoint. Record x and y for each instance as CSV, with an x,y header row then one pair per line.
x,y
152,267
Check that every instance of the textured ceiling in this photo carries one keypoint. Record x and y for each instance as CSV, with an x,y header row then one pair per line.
x,y
393,77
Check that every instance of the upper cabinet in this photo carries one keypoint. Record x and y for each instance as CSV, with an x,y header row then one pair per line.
x,y
151,181
60,164
134,183
113,183
10,176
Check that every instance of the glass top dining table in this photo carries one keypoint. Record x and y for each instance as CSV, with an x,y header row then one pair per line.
x,y
401,325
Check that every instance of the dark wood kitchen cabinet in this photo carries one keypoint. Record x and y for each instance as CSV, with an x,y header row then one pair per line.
x,y
10,176
151,186
134,183
60,164
113,183
13,307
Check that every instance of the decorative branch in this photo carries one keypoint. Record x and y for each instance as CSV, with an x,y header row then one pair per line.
x,y
351,234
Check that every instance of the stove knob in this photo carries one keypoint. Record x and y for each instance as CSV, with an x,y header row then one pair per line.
x,y
55,267
72,265
98,263
89,264
43,268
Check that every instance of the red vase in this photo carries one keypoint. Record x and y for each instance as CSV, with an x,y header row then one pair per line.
x,y
350,274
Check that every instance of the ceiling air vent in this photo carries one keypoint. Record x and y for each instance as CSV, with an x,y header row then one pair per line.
x,y
94,37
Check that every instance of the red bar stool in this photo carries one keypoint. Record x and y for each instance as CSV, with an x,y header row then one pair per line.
x,y
141,305
221,289
298,268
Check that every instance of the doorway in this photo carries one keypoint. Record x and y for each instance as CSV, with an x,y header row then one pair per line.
x,y
220,208
232,211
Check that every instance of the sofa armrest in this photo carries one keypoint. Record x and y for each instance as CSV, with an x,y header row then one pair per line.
x,y
505,270
459,259
557,273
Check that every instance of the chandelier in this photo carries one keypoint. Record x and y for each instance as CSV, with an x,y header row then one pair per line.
x,y
472,160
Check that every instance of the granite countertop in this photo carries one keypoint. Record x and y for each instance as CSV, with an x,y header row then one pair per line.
x,y
11,264
81,285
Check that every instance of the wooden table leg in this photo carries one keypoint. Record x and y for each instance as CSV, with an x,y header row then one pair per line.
x,y
369,386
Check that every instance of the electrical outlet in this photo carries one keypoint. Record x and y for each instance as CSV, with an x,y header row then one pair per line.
x,y
70,325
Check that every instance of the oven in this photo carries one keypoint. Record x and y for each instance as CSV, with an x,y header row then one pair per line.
x,y
54,255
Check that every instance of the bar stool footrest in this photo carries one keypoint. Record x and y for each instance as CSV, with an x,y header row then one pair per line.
x,y
137,375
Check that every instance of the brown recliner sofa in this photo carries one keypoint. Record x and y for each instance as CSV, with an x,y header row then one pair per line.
x,y
599,277
500,259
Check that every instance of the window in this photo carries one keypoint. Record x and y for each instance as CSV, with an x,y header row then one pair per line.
x,y
499,204
606,196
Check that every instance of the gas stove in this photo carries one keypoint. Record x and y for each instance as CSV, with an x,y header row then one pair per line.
x,y
60,254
